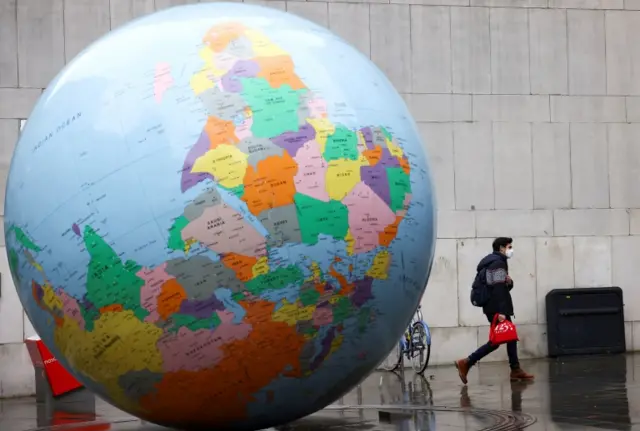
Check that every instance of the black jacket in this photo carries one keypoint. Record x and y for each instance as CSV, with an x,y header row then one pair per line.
x,y
500,289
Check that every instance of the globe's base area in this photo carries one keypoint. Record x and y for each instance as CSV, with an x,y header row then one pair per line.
x,y
220,216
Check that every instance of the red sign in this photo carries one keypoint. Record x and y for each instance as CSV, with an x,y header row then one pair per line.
x,y
60,380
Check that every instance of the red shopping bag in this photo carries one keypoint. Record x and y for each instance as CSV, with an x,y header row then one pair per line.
x,y
502,332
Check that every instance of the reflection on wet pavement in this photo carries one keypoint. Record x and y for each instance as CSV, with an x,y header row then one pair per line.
x,y
580,393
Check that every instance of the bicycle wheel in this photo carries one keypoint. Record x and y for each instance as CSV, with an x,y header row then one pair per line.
x,y
393,360
420,349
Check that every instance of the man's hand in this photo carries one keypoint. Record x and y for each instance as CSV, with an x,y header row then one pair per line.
x,y
509,280
501,317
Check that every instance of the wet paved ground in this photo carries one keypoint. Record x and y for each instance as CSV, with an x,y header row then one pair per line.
x,y
582,393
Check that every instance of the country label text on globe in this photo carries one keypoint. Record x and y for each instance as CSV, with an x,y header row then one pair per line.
x,y
220,214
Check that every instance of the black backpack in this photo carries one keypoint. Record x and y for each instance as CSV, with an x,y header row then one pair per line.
x,y
480,292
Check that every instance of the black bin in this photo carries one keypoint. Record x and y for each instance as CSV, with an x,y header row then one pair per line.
x,y
585,321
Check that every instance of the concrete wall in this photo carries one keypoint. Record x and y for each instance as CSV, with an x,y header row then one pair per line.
x,y
530,110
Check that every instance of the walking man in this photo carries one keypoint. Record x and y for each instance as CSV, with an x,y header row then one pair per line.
x,y
499,285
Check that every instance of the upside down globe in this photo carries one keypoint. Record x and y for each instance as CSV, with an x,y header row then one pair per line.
x,y
220,215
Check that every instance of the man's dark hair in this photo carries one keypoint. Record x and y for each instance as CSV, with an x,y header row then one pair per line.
x,y
503,241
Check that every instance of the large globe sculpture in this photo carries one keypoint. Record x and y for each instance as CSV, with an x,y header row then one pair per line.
x,y
220,215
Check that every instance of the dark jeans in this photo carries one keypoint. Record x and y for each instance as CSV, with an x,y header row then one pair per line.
x,y
512,350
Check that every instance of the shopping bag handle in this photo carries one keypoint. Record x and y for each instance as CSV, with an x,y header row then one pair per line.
x,y
495,320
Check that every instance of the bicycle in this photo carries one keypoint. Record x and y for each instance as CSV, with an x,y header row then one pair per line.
x,y
415,345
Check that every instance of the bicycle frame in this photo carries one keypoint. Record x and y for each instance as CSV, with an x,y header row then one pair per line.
x,y
417,318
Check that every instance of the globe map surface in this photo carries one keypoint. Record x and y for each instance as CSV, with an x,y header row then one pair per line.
x,y
220,214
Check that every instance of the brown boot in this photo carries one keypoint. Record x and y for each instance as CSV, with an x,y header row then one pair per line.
x,y
519,374
463,369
